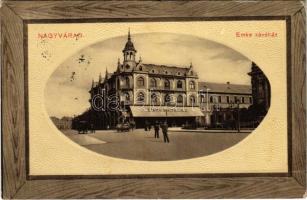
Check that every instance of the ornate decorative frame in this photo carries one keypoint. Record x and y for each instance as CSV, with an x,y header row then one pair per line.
x,y
15,15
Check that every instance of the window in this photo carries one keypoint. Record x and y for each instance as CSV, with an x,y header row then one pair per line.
x,y
140,81
179,99
127,80
192,100
211,99
219,99
236,99
141,97
153,82
202,98
167,99
118,83
227,99
179,84
192,85
242,100
250,100
127,66
154,99
166,84
127,97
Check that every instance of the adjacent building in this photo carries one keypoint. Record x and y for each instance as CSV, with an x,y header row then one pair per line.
x,y
62,123
261,92
219,102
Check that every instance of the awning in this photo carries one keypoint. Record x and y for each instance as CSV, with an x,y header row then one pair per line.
x,y
165,111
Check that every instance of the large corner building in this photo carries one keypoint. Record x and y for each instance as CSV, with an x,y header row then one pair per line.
x,y
142,92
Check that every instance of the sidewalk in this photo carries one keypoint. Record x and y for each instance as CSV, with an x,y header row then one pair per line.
x,y
201,130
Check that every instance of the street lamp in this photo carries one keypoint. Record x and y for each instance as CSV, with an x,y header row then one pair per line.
x,y
208,89
207,109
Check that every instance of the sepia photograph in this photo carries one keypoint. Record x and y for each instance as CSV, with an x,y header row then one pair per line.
x,y
157,96
153,99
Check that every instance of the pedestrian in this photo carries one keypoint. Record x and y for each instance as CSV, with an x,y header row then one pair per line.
x,y
157,128
164,131
92,128
146,125
132,123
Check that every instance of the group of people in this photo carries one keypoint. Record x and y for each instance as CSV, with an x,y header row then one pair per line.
x,y
157,126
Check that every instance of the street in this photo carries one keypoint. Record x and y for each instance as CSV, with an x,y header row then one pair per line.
x,y
141,145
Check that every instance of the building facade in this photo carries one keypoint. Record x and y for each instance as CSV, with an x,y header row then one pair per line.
x,y
261,92
139,92
220,102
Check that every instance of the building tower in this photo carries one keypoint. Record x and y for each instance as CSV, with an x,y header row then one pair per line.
x,y
129,54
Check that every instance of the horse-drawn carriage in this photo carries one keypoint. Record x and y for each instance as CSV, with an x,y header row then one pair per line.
x,y
84,127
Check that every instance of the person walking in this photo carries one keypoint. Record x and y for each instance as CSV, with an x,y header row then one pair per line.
x,y
157,127
164,131
146,125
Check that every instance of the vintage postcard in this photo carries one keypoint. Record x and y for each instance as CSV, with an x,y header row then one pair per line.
x,y
138,98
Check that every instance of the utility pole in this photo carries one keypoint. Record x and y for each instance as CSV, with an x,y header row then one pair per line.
x,y
238,107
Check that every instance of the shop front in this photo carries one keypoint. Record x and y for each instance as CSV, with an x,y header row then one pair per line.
x,y
174,116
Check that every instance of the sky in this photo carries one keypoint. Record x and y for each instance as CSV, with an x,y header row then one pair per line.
x,y
66,92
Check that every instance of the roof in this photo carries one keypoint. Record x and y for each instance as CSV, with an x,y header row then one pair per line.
x,y
129,45
225,88
169,70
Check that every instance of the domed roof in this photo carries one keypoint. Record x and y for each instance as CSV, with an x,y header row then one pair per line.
x,y
129,44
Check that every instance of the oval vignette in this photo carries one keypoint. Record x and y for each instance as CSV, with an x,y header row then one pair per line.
x,y
110,100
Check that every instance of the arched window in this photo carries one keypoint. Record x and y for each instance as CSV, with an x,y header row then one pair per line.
x,y
211,99
179,99
202,98
192,85
192,100
154,99
140,97
140,81
153,82
127,81
167,84
167,99
127,96
179,84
